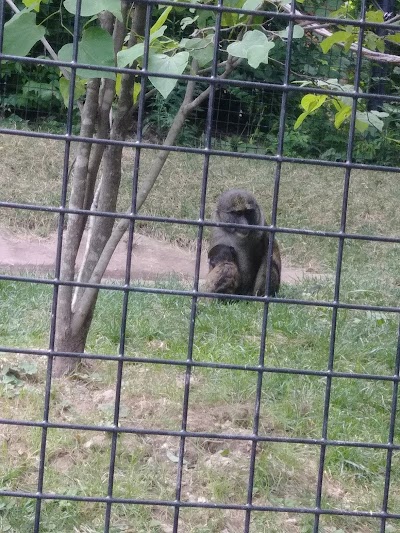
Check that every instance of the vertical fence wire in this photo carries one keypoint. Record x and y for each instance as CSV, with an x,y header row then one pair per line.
x,y
60,235
194,303
392,426
339,264
128,265
2,6
261,361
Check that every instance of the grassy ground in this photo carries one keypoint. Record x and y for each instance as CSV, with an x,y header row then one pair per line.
x,y
310,197
221,400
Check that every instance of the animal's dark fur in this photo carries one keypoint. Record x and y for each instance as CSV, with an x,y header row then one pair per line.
x,y
238,206
223,275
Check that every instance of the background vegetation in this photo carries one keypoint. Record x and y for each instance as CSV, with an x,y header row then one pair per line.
x,y
244,119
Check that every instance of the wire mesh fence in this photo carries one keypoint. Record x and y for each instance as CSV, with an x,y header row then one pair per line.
x,y
275,413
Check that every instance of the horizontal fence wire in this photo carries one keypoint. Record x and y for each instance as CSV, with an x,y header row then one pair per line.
x,y
129,289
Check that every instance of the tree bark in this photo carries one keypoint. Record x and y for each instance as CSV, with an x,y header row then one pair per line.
x,y
75,342
71,334
73,233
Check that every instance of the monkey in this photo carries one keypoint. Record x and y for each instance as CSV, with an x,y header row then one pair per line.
x,y
223,275
239,206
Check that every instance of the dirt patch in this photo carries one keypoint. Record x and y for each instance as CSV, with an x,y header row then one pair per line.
x,y
151,259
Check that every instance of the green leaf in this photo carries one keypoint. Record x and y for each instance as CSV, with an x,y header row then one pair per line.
x,y
256,55
187,21
118,83
157,33
338,104
33,4
337,37
350,40
310,103
129,55
372,118
44,91
300,120
254,47
137,87
342,115
161,19
393,38
21,34
80,89
95,48
230,19
167,65
93,7
200,49
374,16
206,18
361,125
370,40
252,5
380,45
298,31
28,368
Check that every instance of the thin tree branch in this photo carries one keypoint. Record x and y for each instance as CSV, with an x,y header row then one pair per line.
x,y
106,97
74,227
102,227
369,54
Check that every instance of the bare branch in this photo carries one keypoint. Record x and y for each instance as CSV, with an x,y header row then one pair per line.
x,y
75,221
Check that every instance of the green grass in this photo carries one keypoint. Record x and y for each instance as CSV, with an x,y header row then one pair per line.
x,y
221,400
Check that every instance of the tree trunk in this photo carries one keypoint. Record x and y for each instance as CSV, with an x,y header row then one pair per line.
x,y
71,327
69,343
73,341
75,311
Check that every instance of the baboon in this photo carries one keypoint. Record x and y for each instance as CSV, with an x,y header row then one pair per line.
x,y
238,206
223,275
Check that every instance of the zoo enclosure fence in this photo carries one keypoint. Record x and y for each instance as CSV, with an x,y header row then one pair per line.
x,y
129,289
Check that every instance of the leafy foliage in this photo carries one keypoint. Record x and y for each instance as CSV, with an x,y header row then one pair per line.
x,y
174,45
95,48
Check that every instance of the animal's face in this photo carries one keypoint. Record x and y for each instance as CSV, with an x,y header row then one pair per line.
x,y
247,216
237,206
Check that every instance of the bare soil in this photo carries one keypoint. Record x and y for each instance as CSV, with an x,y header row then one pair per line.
x,y
151,259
